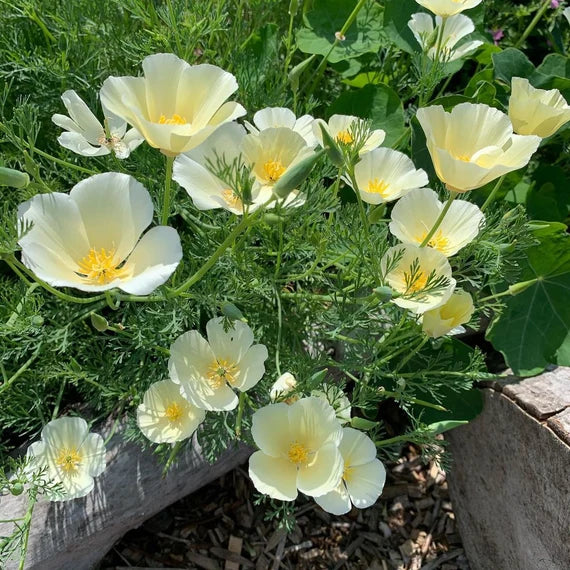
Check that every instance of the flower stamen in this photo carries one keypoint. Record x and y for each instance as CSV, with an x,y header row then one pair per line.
x,y
273,170
378,187
174,413
174,120
99,266
232,199
344,137
69,461
298,453
221,372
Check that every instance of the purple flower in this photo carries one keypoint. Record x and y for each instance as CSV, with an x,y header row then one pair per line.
x,y
497,35
554,3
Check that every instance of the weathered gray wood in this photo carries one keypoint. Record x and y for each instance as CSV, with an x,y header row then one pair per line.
x,y
75,535
543,395
560,425
510,487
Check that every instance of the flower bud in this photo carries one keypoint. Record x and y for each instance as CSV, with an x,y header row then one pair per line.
x,y
384,293
518,288
331,148
13,178
99,323
295,175
232,312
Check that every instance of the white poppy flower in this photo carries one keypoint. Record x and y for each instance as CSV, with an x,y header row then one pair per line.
x,y
166,416
363,477
175,106
384,175
86,136
71,456
282,386
90,239
207,370
298,449
416,213
536,111
446,8
270,154
275,117
473,144
345,129
455,29
193,171
336,397
421,275
448,318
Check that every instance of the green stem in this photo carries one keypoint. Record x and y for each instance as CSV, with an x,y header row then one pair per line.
x,y
398,396
27,524
412,353
363,216
241,406
392,440
175,449
279,331
289,43
493,193
167,186
246,221
21,370
452,196
535,20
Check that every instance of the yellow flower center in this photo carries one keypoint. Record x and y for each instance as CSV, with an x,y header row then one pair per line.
x,y
419,282
232,199
344,137
298,453
174,120
99,266
378,187
174,413
273,170
347,473
437,241
69,461
462,157
221,372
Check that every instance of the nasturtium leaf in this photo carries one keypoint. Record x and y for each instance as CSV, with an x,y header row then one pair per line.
x,y
380,104
511,63
327,17
534,329
397,14
549,199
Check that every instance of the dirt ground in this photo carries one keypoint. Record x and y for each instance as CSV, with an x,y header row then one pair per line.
x,y
411,527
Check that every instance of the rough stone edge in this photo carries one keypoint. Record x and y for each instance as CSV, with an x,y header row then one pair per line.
x,y
78,533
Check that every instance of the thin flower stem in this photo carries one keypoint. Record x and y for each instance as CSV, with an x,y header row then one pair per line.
x,y
21,370
27,524
399,396
392,440
241,406
493,193
167,186
289,44
175,449
412,353
452,196
279,330
244,224
363,216
532,25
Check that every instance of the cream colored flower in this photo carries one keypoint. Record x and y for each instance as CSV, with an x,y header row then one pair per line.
x,y
90,239
473,144
86,136
175,106
536,111
363,477
447,8
282,386
421,275
195,171
275,117
384,175
347,130
207,370
448,318
298,449
416,213
70,455
335,396
270,154
455,29
165,416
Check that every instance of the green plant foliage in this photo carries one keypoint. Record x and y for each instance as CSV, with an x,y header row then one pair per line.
x,y
533,330
378,103
327,17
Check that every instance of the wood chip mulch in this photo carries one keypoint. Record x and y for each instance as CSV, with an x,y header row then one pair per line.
x,y
411,527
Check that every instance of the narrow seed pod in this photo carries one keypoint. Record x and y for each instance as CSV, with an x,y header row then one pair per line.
x,y
296,175
13,178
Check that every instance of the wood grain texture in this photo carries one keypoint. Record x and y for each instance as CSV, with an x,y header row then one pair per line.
x,y
77,534
510,489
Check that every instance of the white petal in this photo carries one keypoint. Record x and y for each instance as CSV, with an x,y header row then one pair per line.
x,y
336,502
356,447
270,429
273,476
273,117
365,483
115,209
230,345
93,451
324,472
65,432
251,367
87,123
313,421
77,143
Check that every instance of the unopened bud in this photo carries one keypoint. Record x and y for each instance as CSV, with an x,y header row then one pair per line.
x,y
232,312
377,214
272,219
363,424
99,323
518,288
293,7
384,293
16,488
295,176
331,148
13,178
